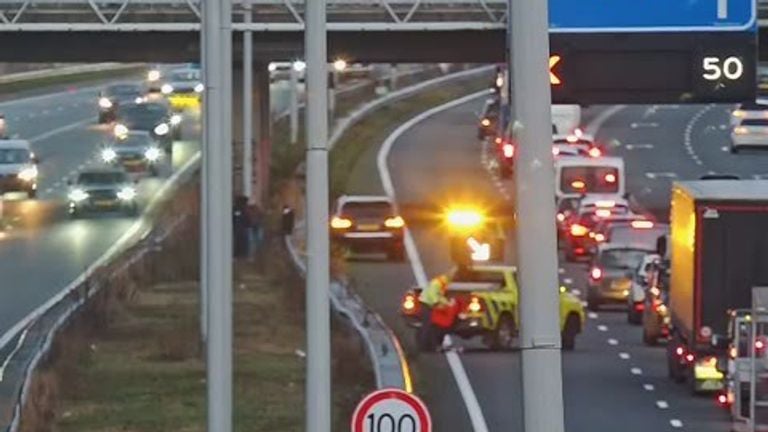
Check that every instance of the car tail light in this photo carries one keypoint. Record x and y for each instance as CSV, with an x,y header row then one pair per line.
x,y
475,305
739,113
555,151
509,150
498,140
394,222
722,400
560,217
642,224
340,223
596,273
578,184
690,357
485,122
599,237
680,351
578,230
610,178
639,307
759,346
733,352
410,304
595,152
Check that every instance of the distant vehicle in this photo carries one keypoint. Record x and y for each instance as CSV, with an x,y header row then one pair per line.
x,y
719,250
154,78
655,315
113,96
641,282
750,111
643,233
282,70
183,88
486,297
565,119
602,230
18,167
369,223
136,152
489,119
611,273
751,133
584,145
578,176
151,117
102,190
3,128
591,210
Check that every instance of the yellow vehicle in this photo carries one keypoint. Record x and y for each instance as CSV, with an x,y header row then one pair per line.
x,y
487,299
183,89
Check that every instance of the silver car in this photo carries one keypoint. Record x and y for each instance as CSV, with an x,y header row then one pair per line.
x,y
102,190
750,133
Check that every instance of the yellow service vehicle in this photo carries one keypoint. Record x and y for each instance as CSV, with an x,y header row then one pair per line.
x,y
487,299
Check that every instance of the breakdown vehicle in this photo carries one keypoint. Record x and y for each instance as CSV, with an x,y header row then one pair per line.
x,y
102,190
115,95
611,273
18,167
474,235
718,248
183,88
152,117
136,152
487,301
369,223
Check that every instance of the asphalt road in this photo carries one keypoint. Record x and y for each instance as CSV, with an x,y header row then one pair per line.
x,y
44,250
611,381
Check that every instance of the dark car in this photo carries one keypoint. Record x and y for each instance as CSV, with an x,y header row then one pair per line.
x,y
610,274
155,118
369,224
489,119
113,96
136,152
102,190
578,239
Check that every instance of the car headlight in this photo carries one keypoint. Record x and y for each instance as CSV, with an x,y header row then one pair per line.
x,y
127,193
139,100
108,155
153,75
28,174
120,130
162,129
78,195
272,67
105,103
299,66
166,89
176,119
152,154
199,87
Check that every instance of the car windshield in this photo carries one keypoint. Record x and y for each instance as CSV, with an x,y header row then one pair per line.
x,y
645,237
366,210
91,178
123,90
142,116
14,156
622,258
134,141
589,179
187,75
575,142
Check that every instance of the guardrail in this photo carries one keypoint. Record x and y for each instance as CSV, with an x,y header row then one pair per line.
x,y
390,365
66,71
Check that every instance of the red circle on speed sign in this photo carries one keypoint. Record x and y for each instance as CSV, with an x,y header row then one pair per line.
x,y
391,410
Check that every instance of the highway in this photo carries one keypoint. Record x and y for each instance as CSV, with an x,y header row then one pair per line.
x,y
612,381
44,250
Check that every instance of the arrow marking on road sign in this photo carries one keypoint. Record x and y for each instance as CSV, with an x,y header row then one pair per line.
x,y
553,78
480,251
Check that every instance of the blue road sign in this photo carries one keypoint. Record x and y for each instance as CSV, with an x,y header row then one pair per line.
x,y
568,16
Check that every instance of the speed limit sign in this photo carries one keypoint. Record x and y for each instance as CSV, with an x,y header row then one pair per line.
x,y
391,410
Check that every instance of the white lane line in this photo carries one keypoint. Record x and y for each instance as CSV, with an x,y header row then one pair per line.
x,y
602,328
636,371
662,404
726,149
561,270
639,146
567,281
576,292
675,423
639,125
46,112
613,342
648,387
688,135
54,132
454,361
592,315
594,126
658,175
624,356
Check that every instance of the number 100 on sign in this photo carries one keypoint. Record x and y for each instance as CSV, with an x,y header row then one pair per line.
x,y
391,410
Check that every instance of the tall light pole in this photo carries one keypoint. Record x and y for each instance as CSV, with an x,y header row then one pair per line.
x,y
217,184
318,398
248,106
536,238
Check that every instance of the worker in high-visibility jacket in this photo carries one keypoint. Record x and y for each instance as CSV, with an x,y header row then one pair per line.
x,y
432,296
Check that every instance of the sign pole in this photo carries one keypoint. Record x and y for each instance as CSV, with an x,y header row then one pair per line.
x,y
248,106
217,22
536,238
318,391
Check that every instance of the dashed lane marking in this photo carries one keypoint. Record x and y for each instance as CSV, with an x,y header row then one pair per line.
x,y
659,175
592,315
648,387
639,146
662,404
613,342
567,281
636,371
675,423
624,356
602,328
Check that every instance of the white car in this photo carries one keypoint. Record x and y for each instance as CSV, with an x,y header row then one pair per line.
x,y
750,133
636,298
282,70
18,167
754,110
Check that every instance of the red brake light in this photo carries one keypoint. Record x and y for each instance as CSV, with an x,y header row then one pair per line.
x,y
639,307
497,140
680,351
578,230
722,400
508,150
596,273
595,152
690,357
560,217
410,304
555,151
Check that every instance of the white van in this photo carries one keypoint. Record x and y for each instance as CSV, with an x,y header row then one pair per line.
x,y
577,176
565,119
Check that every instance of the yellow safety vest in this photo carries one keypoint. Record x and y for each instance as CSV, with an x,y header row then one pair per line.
x,y
433,293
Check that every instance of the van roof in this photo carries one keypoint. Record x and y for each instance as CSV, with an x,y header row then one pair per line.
x,y
726,190
590,162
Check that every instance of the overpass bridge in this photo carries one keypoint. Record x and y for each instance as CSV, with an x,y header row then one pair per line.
x,y
167,30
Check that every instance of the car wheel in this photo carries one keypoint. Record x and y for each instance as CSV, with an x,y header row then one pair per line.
x,y
570,330
734,149
648,338
505,333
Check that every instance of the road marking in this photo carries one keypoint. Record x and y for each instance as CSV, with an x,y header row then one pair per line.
x,y
594,126
454,361
613,342
636,371
45,112
624,356
639,146
561,270
592,315
639,125
648,387
576,292
675,423
602,328
59,130
567,281
659,175
662,404
688,135
726,149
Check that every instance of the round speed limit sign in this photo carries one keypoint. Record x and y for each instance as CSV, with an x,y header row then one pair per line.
x,y
391,410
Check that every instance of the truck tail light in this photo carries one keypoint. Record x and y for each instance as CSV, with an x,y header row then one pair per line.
x,y
410,304
595,152
509,150
578,230
340,223
475,305
596,273
394,222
